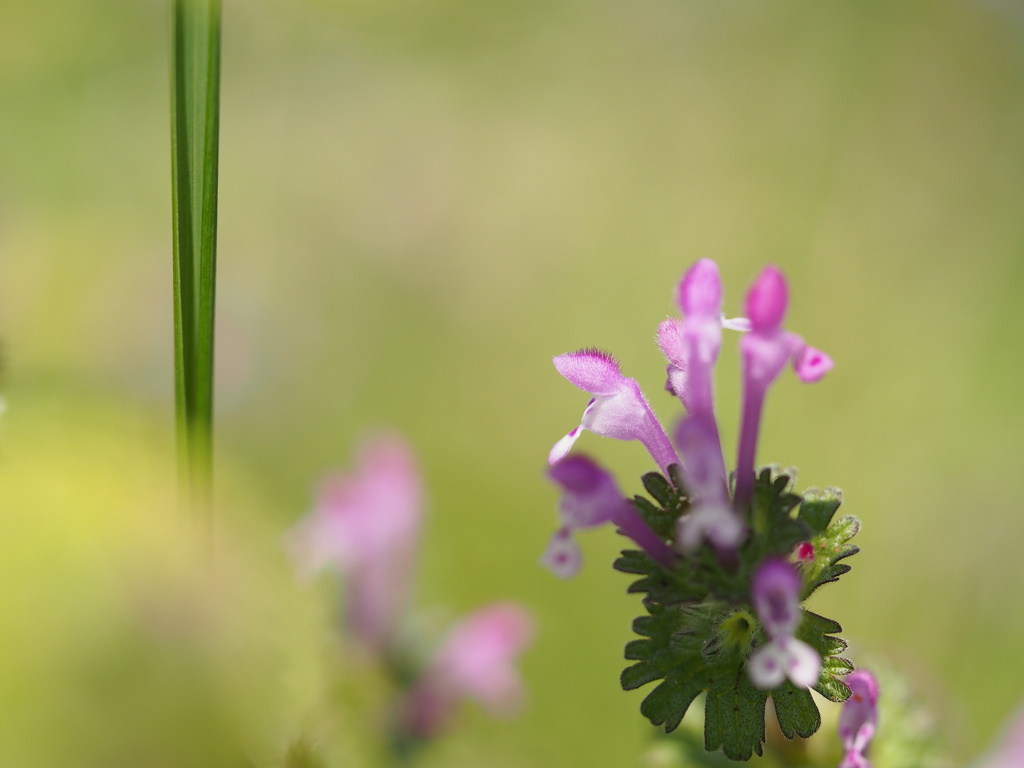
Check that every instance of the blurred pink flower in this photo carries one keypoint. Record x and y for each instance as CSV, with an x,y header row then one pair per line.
x,y
1008,751
776,589
476,661
859,719
366,525
711,515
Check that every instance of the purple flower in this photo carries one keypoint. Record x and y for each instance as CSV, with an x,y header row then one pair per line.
x,y
776,588
617,409
590,497
1009,749
859,718
476,660
766,350
366,525
692,344
711,515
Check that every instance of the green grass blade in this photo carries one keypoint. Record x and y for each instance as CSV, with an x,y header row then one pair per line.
x,y
195,116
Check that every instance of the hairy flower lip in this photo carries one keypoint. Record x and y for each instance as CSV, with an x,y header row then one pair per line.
x,y
617,408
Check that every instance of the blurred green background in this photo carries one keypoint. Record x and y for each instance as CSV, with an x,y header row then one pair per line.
x,y
421,203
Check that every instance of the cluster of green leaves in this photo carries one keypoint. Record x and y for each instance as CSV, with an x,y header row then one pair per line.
x,y
699,627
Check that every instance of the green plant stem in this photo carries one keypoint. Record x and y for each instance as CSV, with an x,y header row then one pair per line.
x,y
195,116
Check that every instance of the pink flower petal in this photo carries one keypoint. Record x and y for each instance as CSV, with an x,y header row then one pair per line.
x,y
811,364
670,340
804,664
766,300
700,290
590,495
366,525
776,588
476,660
592,371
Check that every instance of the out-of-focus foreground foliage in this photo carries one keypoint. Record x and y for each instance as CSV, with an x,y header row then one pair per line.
x,y
420,204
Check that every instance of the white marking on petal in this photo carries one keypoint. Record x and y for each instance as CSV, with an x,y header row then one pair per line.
x,y
740,324
563,556
766,666
803,666
561,448
715,522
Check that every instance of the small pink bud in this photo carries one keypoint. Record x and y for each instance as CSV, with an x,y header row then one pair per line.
x,y
766,301
811,364
700,290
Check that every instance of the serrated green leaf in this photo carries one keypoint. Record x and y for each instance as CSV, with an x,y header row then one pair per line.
x,y
833,689
661,522
734,716
667,703
645,625
796,711
648,585
844,529
637,650
784,535
829,548
776,529
814,628
633,561
818,507
638,675
659,488
837,665
817,631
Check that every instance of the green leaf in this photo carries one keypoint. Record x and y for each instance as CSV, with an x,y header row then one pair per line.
x,y
833,689
829,548
661,522
660,585
734,715
675,474
668,702
818,507
795,708
681,647
633,561
195,116
659,488
776,530
817,631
